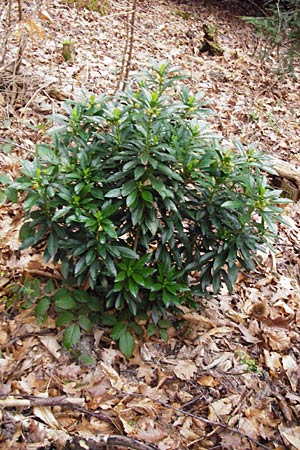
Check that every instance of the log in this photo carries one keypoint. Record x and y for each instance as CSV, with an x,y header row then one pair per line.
x,y
288,178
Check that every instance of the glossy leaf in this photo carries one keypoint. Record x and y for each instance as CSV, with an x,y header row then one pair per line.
x,y
63,299
71,336
126,343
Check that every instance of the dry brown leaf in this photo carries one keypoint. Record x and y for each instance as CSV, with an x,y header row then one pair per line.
x,y
199,320
150,431
113,376
223,361
248,336
187,429
292,435
249,426
272,361
185,370
281,304
153,393
208,380
44,15
147,372
278,340
292,370
222,407
46,415
220,330
143,406
232,441
277,322
98,389
51,344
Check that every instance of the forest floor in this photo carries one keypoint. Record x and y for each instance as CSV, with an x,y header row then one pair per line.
x,y
229,375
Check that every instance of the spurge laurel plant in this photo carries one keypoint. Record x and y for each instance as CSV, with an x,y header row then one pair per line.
x,y
139,203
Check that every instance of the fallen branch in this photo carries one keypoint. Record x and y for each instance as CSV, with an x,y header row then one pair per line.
x,y
15,402
30,401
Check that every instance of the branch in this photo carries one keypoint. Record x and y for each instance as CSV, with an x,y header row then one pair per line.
x,y
75,403
15,402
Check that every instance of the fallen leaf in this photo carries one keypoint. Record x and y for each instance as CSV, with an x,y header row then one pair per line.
x,y
113,376
292,370
220,330
292,435
278,340
272,361
51,344
222,407
185,370
248,336
208,380
151,432
46,415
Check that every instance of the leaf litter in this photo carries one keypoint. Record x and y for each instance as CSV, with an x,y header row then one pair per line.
x,y
228,377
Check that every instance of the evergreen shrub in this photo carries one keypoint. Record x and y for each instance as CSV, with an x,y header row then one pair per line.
x,y
140,205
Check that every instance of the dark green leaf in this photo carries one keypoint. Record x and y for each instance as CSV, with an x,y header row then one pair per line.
x,y
116,192
81,296
64,318
94,303
86,359
12,194
118,329
2,197
136,328
126,344
63,299
147,196
138,172
163,334
71,336
42,308
52,246
85,323
133,288
233,204
127,252
151,329
164,323
108,319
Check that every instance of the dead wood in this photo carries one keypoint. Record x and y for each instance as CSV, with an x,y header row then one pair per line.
x,y
288,178
15,402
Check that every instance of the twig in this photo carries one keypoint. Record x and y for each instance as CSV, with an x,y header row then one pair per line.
x,y
20,10
37,91
128,48
131,36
